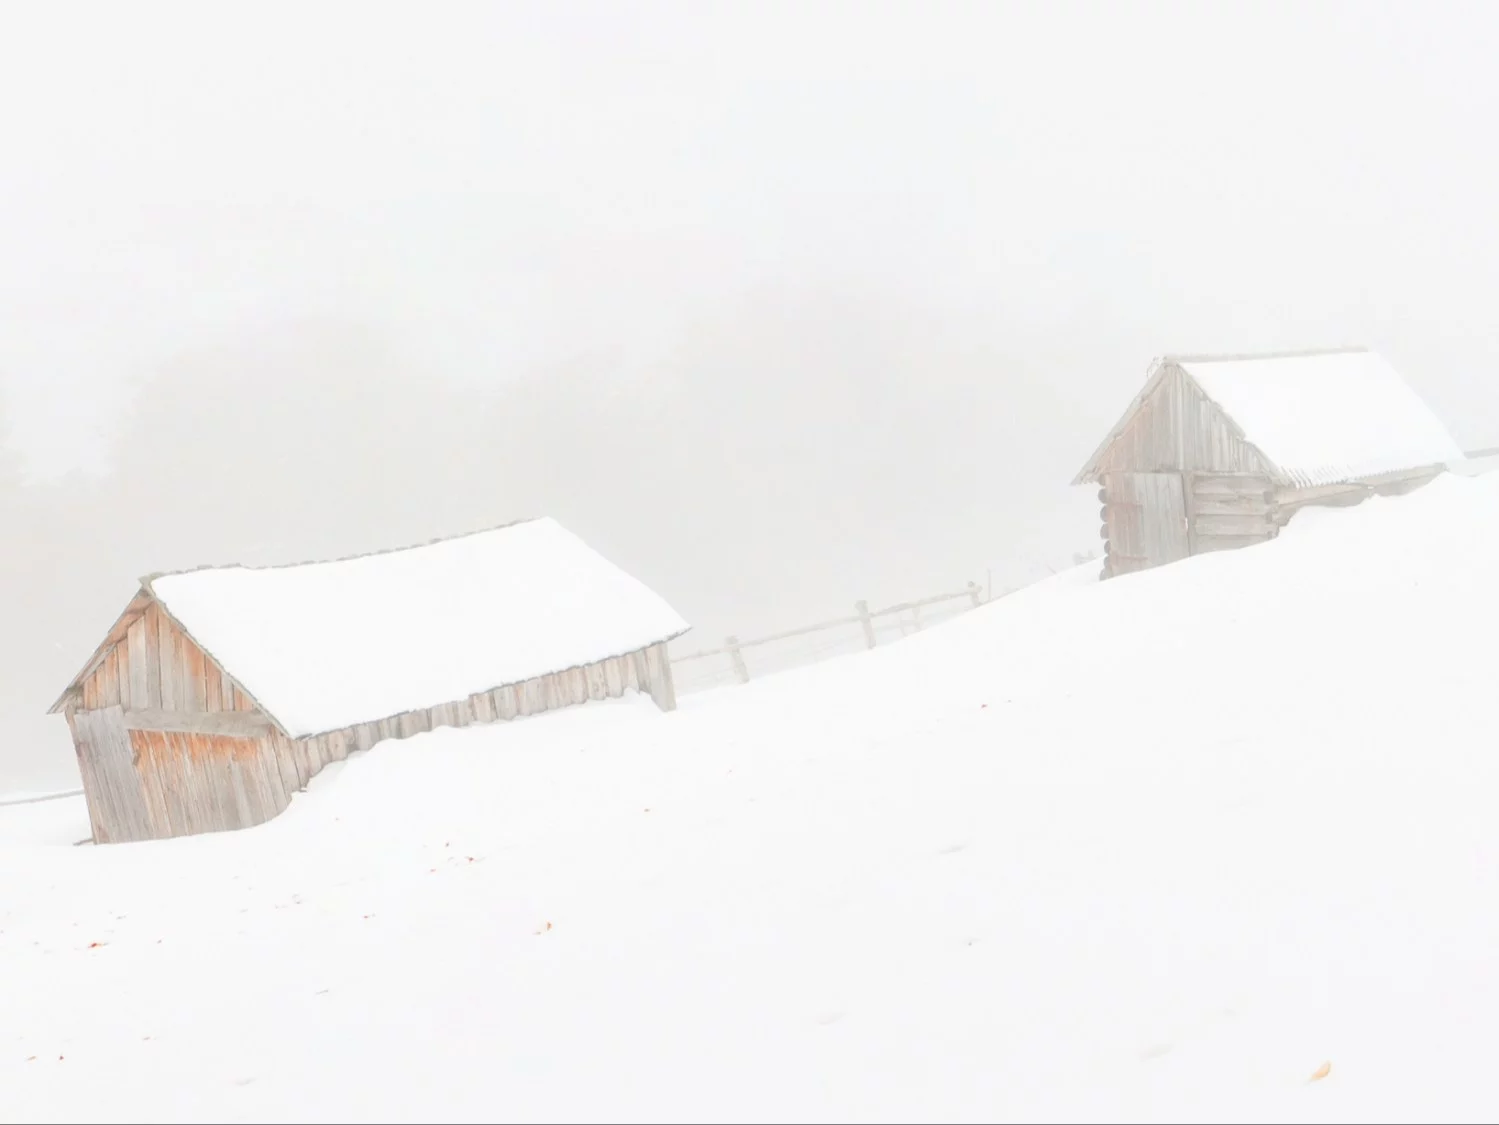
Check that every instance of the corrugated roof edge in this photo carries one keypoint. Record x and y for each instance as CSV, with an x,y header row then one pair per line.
x,y
1317,476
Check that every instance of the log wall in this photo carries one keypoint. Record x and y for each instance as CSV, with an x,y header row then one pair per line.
x,y
1223,511
1226,511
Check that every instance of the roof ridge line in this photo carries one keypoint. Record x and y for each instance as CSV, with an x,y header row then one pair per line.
x,y
1232,357
154,575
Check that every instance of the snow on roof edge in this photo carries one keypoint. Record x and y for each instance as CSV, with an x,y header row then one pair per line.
x,y
573,608
1327,438
1301,476
286,726
148,579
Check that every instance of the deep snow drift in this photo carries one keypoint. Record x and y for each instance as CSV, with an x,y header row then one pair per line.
x,y
1150,849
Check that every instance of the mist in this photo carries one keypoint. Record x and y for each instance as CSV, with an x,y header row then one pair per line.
x,y
778,306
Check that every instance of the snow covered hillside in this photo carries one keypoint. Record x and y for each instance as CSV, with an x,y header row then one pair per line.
x,y
1157,849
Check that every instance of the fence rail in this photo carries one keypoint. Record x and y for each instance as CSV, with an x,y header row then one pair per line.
x,y
39,797
869,621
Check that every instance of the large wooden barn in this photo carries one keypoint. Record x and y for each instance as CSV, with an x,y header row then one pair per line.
x,y
1219,452
220,692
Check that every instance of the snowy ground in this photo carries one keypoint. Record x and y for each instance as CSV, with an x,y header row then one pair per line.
x,y
1156,849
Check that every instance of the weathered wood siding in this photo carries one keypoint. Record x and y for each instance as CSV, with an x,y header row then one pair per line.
x,y
149,784
155,666
111,784
1179,478
1226,511
1223,511
168,745
647,671
1144,521
1178,429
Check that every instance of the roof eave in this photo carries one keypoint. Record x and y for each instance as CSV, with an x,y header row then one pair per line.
x,y
210,657
1089,473
497,687
101,651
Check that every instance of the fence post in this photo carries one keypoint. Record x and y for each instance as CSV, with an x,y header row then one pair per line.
x,y
975,595
731,645
867,621
916,618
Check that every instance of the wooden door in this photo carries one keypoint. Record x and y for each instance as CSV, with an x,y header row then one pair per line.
x,y
111,783
1146,518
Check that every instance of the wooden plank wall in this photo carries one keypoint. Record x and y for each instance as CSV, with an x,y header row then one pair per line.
x,y
647,671
144,784
1144,521
111,784
176,767
1177,428
158,667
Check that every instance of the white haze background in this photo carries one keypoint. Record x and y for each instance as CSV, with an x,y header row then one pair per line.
x,y
778,305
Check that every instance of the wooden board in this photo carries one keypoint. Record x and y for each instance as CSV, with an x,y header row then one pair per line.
x,y
1208,526
1206,485
207,782
1145,520
152,771
112,788
244,724
661,689
1173,427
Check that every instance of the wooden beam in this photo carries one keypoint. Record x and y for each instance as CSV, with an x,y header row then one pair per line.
x,y
732,646
235,724
867,621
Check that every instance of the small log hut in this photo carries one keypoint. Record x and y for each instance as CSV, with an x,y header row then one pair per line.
x,y
220,692
1219,452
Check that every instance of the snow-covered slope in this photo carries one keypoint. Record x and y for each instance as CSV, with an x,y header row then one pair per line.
x,y
1150,849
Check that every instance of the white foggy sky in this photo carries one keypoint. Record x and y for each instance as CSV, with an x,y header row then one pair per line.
x,y
876,277
500,186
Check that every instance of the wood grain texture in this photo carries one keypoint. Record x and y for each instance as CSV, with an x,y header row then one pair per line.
x,y
1145,520
1177,428
240,723
193,754
112,785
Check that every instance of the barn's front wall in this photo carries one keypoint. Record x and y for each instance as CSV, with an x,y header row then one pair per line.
x,y
1177,479
169,744
1177,428
1151,519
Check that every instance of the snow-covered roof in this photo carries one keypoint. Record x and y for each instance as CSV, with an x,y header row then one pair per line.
x,y
1328,417
323,646
1313,417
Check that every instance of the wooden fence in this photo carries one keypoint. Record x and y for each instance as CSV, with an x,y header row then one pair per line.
x,y
39,797
862,629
